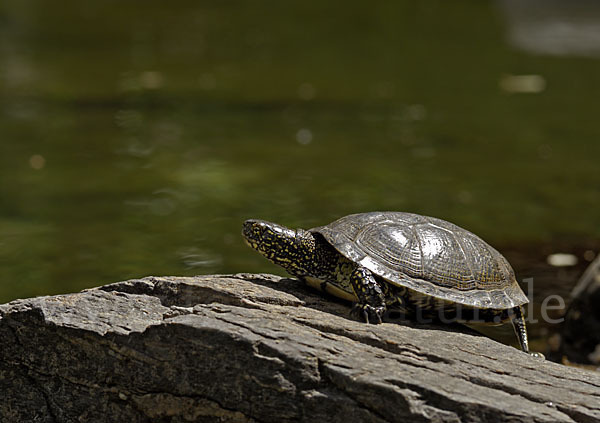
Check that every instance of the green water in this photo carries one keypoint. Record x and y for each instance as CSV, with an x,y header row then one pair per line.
x,y
136,137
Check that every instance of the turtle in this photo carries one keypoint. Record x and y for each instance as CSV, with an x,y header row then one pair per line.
x,y
421,267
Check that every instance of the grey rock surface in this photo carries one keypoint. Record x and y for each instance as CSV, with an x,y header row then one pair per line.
x,y
260,348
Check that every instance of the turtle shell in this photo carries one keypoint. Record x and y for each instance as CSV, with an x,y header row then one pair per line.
x,y
428,255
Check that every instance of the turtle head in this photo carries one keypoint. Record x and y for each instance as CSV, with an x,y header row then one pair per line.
x,y
289,248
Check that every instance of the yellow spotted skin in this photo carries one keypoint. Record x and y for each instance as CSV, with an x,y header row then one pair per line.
x,y
431,293
302,255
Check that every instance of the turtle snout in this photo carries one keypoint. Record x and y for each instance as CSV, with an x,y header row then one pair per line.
x,y
266,233
250,230
255,230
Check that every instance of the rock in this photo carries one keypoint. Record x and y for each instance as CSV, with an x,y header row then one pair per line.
x,y
579,339
260,348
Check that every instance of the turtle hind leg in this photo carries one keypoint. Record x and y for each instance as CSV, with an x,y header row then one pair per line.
x,y
371,301
518,322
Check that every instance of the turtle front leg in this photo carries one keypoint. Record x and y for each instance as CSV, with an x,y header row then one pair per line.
x,y
371,301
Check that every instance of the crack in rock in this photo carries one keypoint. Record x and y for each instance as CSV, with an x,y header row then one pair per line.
x,y
190,409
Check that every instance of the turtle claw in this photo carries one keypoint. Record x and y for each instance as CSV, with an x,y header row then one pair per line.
x,y
537,355
368,313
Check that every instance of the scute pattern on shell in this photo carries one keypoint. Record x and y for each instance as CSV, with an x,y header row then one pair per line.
x,y
429,255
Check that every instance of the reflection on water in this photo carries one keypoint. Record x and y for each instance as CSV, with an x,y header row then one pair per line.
x,y
555,27
532,84
135,140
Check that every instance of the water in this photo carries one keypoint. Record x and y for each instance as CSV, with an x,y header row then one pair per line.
x,y
135,139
